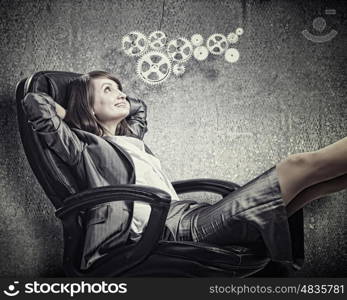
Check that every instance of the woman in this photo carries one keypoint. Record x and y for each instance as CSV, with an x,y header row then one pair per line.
x,y
100,137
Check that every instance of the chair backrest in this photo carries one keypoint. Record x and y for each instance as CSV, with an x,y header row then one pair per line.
x,y
55,177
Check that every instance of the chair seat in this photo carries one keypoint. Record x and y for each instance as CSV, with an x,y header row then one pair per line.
x,y
190,259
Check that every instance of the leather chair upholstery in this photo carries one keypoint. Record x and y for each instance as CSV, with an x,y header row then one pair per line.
x,y
150,256
54,176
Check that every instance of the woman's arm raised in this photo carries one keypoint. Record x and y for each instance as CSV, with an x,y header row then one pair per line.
x,y
137,118
45,117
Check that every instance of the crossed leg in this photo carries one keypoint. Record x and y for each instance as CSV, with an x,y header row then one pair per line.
x,y
315,192
306,176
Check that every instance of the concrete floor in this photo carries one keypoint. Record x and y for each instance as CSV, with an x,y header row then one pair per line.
x,y
285,95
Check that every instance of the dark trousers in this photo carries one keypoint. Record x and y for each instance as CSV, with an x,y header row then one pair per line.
x,y
254,215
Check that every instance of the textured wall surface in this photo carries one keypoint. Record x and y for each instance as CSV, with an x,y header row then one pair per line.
x,y
286,94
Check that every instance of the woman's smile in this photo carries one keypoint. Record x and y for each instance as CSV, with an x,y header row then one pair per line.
x,y
123,104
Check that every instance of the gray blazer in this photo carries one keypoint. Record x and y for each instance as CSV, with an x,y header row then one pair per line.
x,y
96,161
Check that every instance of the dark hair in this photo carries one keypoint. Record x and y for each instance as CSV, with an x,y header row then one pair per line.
x,y
80,102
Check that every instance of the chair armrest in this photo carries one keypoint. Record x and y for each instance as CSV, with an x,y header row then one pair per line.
x,y
221,187
119,260
124,192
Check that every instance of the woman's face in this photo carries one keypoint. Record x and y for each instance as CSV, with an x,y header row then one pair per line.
x,y
109,102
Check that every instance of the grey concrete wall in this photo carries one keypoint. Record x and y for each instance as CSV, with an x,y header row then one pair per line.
x,y
286,94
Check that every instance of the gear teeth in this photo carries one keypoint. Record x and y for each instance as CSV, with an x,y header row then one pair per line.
x,y
217,44
157,40
201,53
134,43
178,69
154,63
179,50
197,40
232,38
155,66
232,55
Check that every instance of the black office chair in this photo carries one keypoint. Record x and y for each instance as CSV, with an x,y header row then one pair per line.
x,y
150,256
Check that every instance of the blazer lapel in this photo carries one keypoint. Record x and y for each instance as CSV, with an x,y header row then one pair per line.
x,y
125,153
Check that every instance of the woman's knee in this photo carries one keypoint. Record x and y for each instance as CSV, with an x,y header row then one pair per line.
x,y
296,172
306,161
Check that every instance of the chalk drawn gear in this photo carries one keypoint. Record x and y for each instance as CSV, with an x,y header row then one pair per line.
x,y
178,69
232,55
134,43
179,50
154,67
217,43
232,38
201,53
157,40
239,31
197,40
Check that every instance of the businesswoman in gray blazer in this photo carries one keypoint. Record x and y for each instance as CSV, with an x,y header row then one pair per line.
x,y
100,136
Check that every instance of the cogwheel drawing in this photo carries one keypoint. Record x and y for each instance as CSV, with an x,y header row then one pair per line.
x,y
178,69
179,50
201,53
157,40
154,67
197,40
239,31
134,43
232,55
217,43
232,38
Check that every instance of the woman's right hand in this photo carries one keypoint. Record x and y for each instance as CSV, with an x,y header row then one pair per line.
x,y
61,111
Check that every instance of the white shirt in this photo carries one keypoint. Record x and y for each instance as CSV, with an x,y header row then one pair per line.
x,y
148,172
